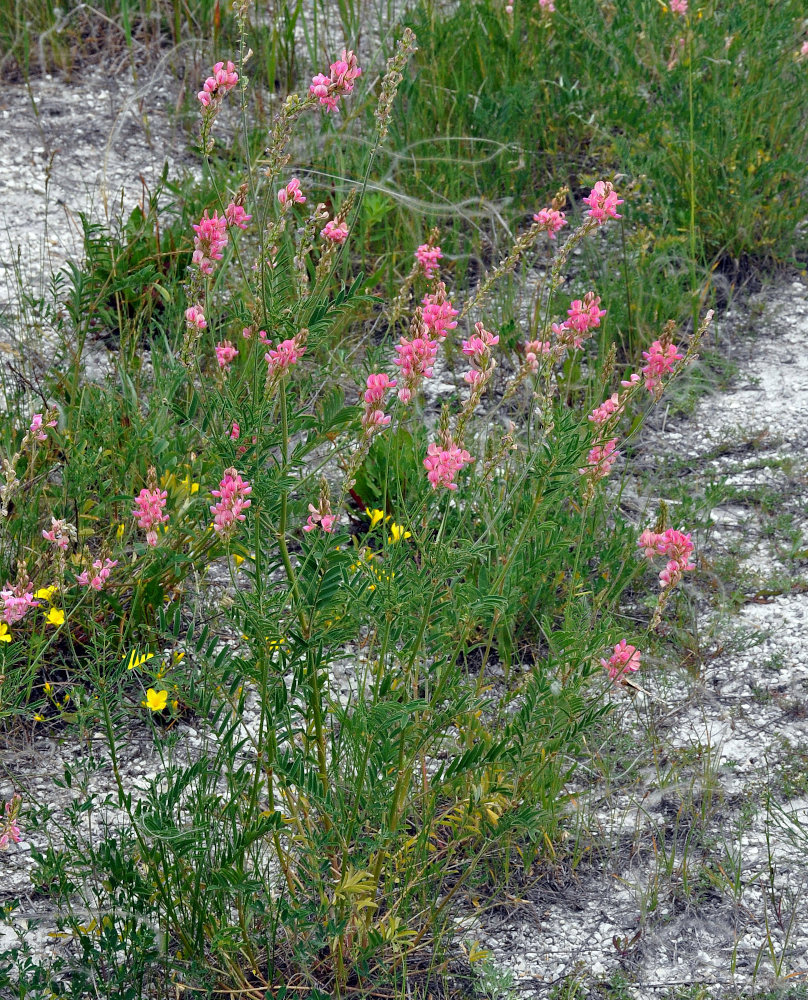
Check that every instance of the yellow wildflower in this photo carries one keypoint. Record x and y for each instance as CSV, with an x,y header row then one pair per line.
x,y
376,516
156,700
397,532
5,634
46,593
120,530
39,718
55,617
48,688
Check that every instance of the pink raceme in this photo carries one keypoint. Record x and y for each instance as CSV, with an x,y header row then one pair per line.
x,y
226,354
675,546
600,460
550,220
336,232
148,512
660,361
534,349
209,242
233,499
17,602
236,216
624,660
279,359
102,568
606,410
9,828
374,417
442,463
195,318
224,78
679,7
37,422
428,257
291,194
60,533
438,313
329,89
603,202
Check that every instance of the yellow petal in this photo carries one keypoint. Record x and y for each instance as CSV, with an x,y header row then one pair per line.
x,y
156,700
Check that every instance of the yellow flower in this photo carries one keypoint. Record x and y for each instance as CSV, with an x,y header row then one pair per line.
x,y
55,617
5,635
376,516
48,688
46,593
137,661
39,718
120,530
397,532
238,560
156,700
188,486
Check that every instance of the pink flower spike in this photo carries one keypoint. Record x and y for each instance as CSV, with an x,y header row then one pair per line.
x,y
195,317
675,546
679,7
9,828
443,463
215,87
149,514
279,359
438,313
336,232
535,349
236,216
291,194
235,432
600,460
209,242
603,202
100,577
551,220
226,353
624,660
233,499
17,601
428,257
36,427
660,361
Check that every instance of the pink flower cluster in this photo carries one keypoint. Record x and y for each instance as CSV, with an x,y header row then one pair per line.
x,y
10,831
443,463
583,316
35,430
329,89
679,7
374,416
195,317
226,354
428,257
551,220
102,568
660,361
215,87
17,601
547,5
606,410
148,512
210,240
534,349
291,194
336,232
600,460
438,314
236,215
675,546
603,202
321,516
233,494
478,350
415,359
624,660
279,359
59,534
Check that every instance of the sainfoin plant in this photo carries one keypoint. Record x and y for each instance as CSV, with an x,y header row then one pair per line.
x,y
423,610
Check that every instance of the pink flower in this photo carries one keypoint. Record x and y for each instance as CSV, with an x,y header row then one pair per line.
x,y
279,359
534,349
679,7
233,496
36,427
215,87
660,361
335,231
600,460
624,660
675,546
583,316
603,201
374,416
329,89
148,512
443,463
98,580
60,533
627,383
321,515
803,54
17,601
606,409
226,354
291,194
235,432
547,5
549,218
478,350
236,216
195,317
415,359
428,258
210,240
9,830
438,314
